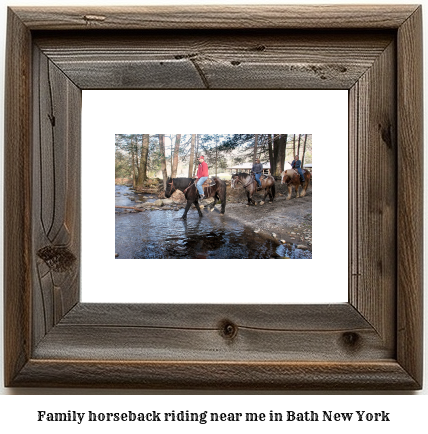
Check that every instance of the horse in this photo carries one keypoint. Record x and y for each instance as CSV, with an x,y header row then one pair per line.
x,y
250,185
188,187
292,179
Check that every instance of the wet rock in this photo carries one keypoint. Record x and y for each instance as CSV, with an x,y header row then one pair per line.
x,y
167,201
158,202
274,234
301,246
283,241
256,231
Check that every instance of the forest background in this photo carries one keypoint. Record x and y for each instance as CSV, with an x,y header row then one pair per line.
x,y
142,156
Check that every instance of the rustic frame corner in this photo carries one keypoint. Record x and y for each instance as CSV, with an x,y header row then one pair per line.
x,y
372,342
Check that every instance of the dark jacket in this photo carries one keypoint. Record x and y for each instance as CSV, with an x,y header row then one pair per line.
x,y
257,168
296,164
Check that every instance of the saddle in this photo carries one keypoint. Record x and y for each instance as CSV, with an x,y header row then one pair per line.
x,y
291,172
210,182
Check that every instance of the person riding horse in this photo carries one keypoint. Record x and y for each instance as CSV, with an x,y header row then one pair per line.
x,y
296,164
202,175
257,169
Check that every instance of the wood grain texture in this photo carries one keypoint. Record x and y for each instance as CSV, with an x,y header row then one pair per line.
x,y
410,191
199,332
216,59
17,197
217,17
372,342
56,194
374,198
386,375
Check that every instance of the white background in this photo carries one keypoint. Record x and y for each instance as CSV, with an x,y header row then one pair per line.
x,y
324,114
19,412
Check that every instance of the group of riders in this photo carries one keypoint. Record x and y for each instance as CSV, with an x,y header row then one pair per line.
x,y
257,170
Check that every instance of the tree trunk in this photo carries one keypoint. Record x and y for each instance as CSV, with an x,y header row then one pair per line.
x,y
283,150
298,146
271,159
142,173
216,153
304,150
294,145
192,155
176,151
134,180
280,151
196,153
276,146
256,140
163,162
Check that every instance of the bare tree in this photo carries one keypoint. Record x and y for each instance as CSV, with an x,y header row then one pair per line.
x,y
163,162
298,145
279,150
282,151
196,153
192,155
216,152
256,140
134,176
176,151
270,150
304,149
142,172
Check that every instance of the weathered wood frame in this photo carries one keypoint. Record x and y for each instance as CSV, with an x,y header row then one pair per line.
x,y
372,342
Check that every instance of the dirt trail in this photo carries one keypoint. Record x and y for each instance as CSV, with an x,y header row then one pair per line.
x,y
289,220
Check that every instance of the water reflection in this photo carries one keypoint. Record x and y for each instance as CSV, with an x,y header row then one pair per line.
x,y
162,234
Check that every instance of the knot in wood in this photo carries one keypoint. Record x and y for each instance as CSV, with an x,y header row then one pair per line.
x,y
58,259
228,330
351,340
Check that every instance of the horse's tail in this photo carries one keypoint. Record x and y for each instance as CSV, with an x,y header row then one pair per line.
x,y
273,191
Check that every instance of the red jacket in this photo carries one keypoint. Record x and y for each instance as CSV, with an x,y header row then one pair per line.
x,y
202,170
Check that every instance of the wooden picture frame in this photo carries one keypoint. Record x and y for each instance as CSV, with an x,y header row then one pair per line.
x,y
372,342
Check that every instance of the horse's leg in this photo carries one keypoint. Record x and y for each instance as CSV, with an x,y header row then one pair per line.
x,y
215,201
223,202
266,193
296,186
250,198
184,216
304,188
197,207
290,186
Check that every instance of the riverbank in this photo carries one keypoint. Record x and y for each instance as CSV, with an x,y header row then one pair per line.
x,y
288,221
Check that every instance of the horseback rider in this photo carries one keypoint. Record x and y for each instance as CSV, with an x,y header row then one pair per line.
x,y
257,169
202,175
296,164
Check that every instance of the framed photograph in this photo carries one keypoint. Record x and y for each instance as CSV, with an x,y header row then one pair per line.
x,y
372,341
147,225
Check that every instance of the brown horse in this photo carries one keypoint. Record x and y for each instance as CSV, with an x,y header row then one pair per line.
x,y
188,187
292,179
250,185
